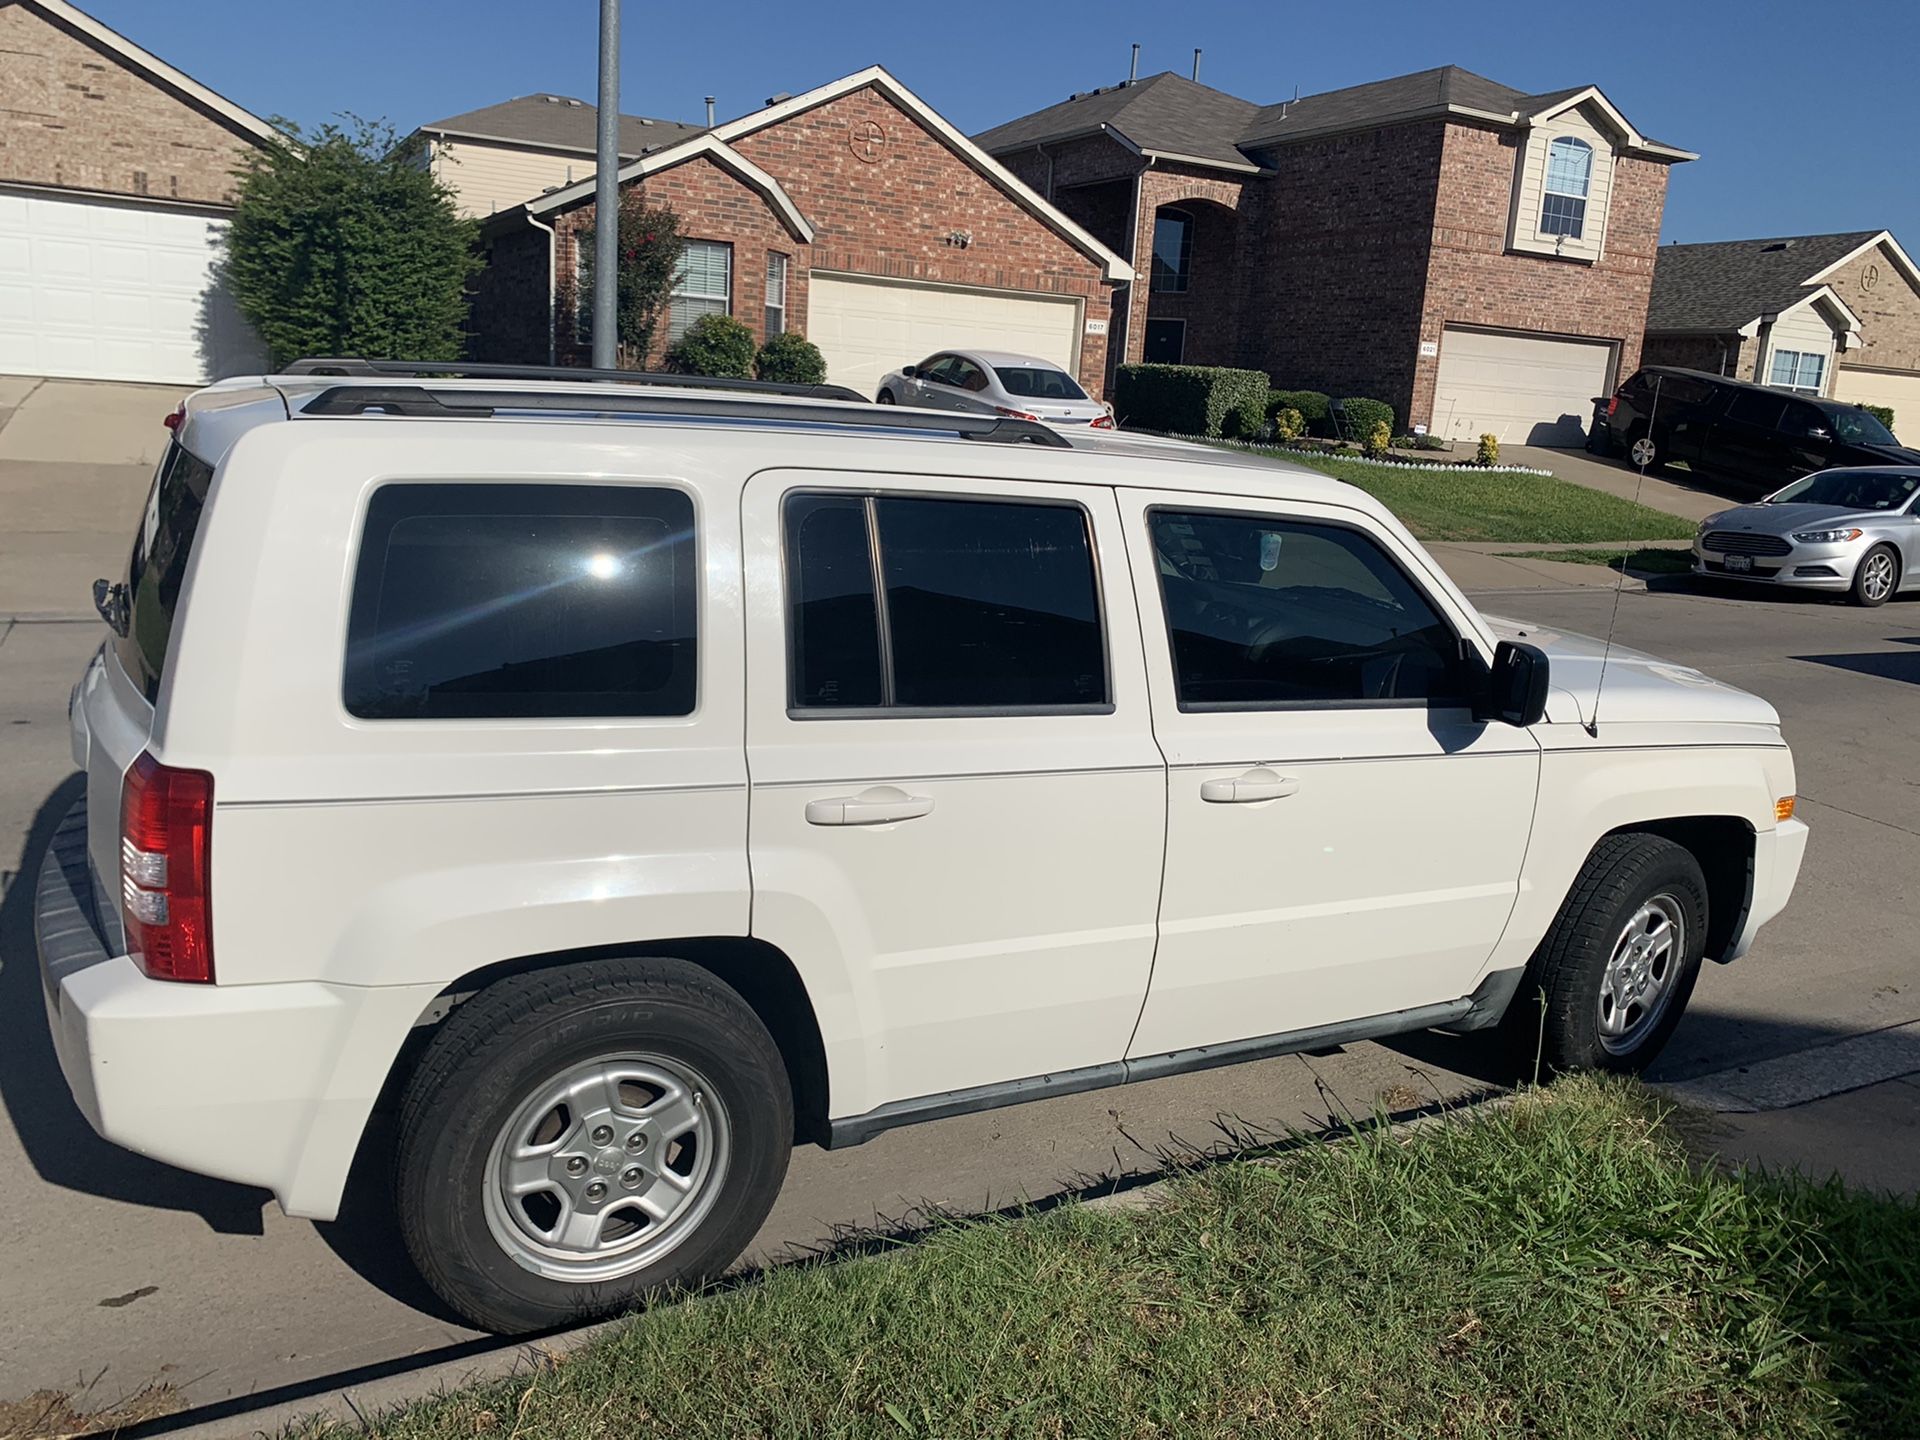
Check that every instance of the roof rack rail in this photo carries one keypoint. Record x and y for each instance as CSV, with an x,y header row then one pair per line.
x,y
347,366
425,402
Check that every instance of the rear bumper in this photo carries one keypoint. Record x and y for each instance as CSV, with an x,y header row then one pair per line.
x,y
267,1085
1777,855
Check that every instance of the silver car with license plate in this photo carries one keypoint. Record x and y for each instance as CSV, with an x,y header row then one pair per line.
x,y
995,382
1853,531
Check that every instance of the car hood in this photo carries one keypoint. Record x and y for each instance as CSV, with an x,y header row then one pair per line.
x,y
1640,688
1884,454
1787,518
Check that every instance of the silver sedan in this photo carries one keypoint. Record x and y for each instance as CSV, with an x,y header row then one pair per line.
x,y
995,382
1855,531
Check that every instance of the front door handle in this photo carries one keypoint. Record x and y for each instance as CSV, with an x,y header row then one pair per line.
x,y
877,805
1257,784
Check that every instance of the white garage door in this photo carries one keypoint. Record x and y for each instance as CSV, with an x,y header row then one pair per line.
x,y
1898,390
865,327
1525,389
106,291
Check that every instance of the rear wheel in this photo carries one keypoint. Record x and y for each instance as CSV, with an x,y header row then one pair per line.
x,y
576,1138
1608,984
1876,577
1647,450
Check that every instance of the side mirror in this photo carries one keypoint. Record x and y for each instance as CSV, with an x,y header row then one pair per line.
x,y
1818,433
909,371
1516,689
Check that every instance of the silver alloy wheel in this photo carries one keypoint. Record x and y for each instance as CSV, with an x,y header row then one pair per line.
x,y
1638,982
1876,581
1642,451
606,1167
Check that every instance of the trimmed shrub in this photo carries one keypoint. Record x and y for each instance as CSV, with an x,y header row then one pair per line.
x,y
1363,414
1288,423
1882,413
1208,400
716,345
791,359
1377,441
1312,405
1488,452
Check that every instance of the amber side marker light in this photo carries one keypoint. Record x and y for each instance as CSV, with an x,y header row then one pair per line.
x,y
1783,807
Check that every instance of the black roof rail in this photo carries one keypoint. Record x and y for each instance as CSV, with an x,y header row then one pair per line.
x,y
353,367
423,401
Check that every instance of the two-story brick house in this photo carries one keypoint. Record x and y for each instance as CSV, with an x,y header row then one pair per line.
x,y
1477,256
854,214
116,186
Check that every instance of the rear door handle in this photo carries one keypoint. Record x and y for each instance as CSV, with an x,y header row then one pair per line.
x,y
877,805
1257,784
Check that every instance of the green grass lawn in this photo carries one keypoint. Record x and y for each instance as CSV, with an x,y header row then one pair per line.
x,y
1638,562
1463,503
1558,1266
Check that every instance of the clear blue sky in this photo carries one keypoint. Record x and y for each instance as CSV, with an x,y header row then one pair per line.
x,y
1804,116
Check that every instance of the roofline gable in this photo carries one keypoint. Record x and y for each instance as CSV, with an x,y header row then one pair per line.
x,y
1595,96
712,148
1900,259
1002,178
158,69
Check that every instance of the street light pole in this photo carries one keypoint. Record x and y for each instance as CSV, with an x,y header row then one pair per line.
x,y
606,192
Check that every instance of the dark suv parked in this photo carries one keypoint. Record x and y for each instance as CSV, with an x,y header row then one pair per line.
x,y
1752,434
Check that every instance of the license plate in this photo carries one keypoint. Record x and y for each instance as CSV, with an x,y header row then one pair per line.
x,y
1739,564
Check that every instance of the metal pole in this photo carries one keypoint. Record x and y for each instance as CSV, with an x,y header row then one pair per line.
x,y
606,193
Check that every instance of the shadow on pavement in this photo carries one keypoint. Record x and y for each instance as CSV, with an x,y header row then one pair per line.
x,y
1888,665
59,1143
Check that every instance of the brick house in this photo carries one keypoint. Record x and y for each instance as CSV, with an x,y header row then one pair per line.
x,y
116,182
1834,315
1476,256
853,213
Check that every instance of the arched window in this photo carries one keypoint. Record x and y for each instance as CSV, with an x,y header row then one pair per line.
x,y
1563,210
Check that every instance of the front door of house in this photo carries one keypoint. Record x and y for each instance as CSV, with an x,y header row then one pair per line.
x,y
1166,342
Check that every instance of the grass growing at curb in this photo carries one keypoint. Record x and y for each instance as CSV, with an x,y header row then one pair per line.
x,y
1638,562
1462,503
1554,1267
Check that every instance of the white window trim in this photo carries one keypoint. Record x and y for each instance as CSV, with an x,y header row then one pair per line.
x,y
1798,363
786,279
1584,195
678,294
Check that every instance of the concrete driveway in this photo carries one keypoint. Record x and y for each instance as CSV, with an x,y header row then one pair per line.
x,y
120,1273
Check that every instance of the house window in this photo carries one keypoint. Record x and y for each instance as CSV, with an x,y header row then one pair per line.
x,y
776,294
702,285
1563,211
1798,370
1172,250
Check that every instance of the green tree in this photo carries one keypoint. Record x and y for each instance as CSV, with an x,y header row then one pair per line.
x,y
649,255
343,243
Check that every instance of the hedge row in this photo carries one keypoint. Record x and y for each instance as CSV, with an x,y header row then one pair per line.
x,y
1209,400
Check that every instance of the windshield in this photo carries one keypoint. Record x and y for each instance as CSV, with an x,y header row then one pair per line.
x,y
1038,382
1860,427
1852,489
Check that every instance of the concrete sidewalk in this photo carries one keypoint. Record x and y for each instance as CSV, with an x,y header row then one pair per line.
x,y
1477,567
1675,492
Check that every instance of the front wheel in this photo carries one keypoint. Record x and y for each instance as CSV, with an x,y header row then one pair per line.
x,y
1608,984
1876,577
576,1138
885,397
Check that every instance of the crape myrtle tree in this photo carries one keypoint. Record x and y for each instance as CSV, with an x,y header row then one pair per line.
x,y
344,243
649,256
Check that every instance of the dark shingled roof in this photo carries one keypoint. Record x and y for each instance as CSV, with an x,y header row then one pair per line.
x,y
560,122
1164,112
1177,116
1722,285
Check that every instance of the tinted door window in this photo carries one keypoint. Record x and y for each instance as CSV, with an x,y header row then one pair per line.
x,y
1264,612
1757,408
967,375
1804,422
978,604
939,370
523,601
158,564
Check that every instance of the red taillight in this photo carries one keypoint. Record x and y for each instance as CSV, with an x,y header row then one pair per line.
x,y
1100,422
1613,404
176,417
166,832
1013,414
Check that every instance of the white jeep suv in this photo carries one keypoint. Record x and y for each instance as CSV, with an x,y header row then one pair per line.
x,y
629,782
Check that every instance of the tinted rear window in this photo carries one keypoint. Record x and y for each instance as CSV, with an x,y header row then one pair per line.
x,y
1038,382
523,601
158,564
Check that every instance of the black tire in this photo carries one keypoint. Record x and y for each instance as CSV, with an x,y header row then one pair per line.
x,y
1566,974
885,397
1656,444
498,1049
1862,583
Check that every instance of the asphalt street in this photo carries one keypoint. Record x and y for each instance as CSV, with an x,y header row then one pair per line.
x,y
118,1272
